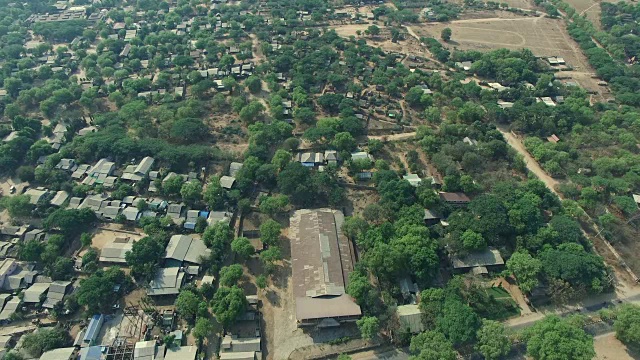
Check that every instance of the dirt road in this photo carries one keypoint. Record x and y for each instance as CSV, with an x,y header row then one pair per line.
x,y
531,163
256,49
394,137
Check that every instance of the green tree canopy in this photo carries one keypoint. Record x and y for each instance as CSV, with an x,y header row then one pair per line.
x,y
627,324
187,304
458,321
144,257
18,206
45,339
242,246
431,345
554,339
202,329
229,304
525,268
191,192
230,275
368,326
270,232
102,289
492,343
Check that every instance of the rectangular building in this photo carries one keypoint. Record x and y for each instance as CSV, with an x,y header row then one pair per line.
x,y
322,258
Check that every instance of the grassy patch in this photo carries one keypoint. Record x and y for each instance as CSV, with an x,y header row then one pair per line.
x,y
497,304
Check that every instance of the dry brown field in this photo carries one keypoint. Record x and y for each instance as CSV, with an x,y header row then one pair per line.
x,y
543,36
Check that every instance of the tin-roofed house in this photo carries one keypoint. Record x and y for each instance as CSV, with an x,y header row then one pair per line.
x,y
227,182
60,198
57,291
479,262
185,250
456,199
115,251
139,171
322,259
410,318
167,282
35,292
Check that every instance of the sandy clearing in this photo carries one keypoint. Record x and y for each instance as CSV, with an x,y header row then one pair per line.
x,y
609,348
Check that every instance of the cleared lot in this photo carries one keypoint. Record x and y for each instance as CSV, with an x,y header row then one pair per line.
x,y
543,36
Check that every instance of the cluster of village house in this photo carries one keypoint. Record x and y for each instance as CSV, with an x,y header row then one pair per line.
x,y
242,341
184,253
556,63
319,301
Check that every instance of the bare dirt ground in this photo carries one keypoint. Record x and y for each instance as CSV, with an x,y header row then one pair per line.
x,y
409,46
278,311
360,199
106,234
544,36
6,183
520,4
394,137
501,29
258,56
609,348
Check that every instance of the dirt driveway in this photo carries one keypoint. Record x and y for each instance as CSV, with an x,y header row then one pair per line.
x,y
531,163
516,294
278,306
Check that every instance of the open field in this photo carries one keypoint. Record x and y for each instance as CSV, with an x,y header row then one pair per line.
x,y
520,4
544,36
591,8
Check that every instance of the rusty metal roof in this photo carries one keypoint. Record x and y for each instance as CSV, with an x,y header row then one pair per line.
x,y
321,260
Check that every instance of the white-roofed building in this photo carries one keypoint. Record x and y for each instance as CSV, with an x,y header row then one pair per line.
x,y
247,355
413,179
234,167
145,350
36,194
7,267
227,181
137,172
131,213
10,308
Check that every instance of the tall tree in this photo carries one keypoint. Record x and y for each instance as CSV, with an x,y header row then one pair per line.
x,y
554,339
432,345
229,304
525,268
627,324
368,326
492,343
